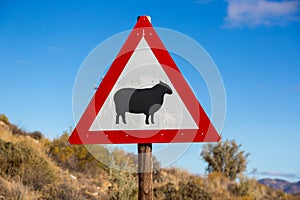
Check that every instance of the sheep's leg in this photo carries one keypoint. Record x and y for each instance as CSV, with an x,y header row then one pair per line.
x,y
152,118
123,118
147,119
117,118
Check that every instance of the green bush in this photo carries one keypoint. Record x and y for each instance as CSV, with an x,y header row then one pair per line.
x,y
186,190
167,192
225,157
12,158
75,157
37,135
191,190
20,161
123,183
17,131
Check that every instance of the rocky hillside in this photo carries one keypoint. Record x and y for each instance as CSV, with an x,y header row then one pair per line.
x,y
34,167
288,187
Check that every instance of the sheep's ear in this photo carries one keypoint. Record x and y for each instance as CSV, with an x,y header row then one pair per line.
x,y
160,82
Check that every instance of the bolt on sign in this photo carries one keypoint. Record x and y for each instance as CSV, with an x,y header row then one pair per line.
x,y
143,98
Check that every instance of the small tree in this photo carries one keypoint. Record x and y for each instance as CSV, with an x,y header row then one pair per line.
x,y
225,157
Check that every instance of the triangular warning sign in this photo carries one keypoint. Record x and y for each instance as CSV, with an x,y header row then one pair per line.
x,y
143,98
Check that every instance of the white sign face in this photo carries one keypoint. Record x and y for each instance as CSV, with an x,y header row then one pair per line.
x,y
143,98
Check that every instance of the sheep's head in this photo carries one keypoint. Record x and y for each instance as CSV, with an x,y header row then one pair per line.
x,y
167,88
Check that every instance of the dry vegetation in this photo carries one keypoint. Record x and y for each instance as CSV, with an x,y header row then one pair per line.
x,y
32,167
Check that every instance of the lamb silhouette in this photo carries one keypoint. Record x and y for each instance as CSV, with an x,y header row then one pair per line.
x,y
147,101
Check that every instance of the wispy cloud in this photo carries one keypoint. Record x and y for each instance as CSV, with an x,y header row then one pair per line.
x,y
280,174
252,13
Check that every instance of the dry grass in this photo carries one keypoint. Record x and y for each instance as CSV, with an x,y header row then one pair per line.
x,y
173,175
27,172
24,159
15,190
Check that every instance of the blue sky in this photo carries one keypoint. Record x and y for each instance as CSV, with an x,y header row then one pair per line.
x,y
255,44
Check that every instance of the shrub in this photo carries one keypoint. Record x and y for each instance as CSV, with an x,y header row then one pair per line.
x,y
225,157
17,131
76,157
12,158
20,161
37,173
37,135
4,119
123,184
240,189
190,190
157,176
14,190
60,191
167,192
186,190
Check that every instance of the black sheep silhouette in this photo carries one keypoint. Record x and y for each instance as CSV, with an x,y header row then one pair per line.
x,y
146,100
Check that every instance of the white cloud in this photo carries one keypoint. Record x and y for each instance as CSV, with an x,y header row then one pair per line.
x,y
252,13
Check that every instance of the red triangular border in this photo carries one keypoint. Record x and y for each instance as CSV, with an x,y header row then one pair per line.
x,y
206,131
